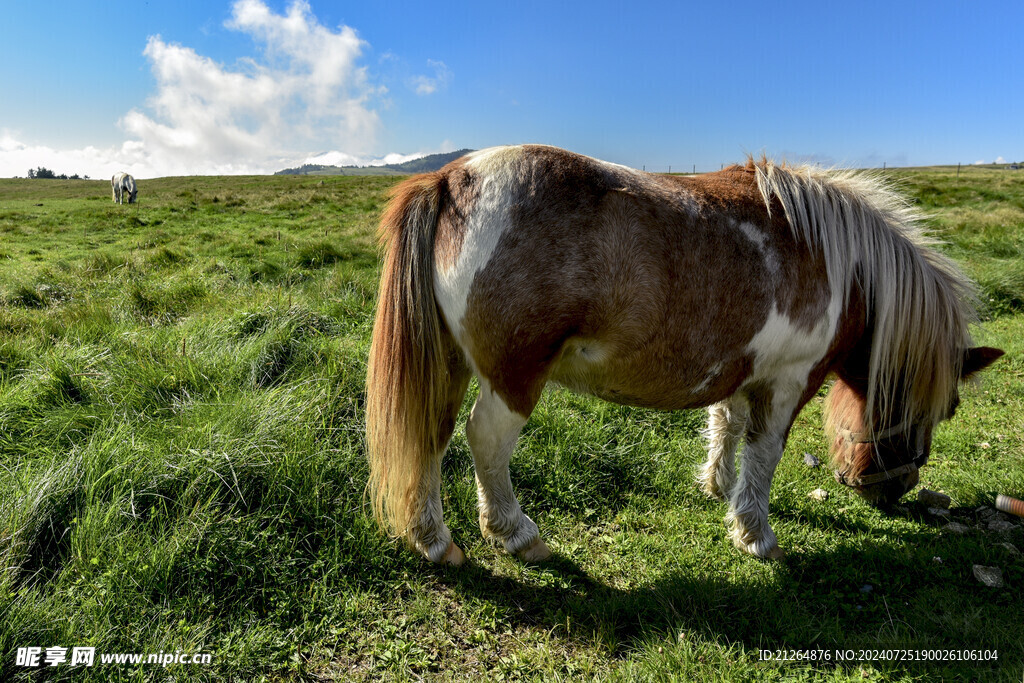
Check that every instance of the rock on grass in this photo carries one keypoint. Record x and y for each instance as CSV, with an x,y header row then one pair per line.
x,y
933,499
990,576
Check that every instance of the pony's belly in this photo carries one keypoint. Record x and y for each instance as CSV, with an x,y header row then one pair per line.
x,y
647,382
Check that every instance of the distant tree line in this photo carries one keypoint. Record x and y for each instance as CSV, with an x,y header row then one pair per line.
x,y
305,169
45,173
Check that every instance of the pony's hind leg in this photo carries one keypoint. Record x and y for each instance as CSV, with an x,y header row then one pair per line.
x,y
427,531
727,421
492,431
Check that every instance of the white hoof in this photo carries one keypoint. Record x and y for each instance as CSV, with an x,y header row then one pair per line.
x,y
454,555
537,551
765,548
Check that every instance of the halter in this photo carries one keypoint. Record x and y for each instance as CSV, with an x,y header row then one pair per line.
x,y
864,437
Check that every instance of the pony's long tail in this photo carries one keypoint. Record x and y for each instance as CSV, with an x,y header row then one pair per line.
x,y
416,375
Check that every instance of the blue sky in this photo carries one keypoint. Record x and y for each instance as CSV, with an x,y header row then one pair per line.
x,y
255,85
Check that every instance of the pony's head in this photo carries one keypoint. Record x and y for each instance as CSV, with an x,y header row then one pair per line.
x,y
881,461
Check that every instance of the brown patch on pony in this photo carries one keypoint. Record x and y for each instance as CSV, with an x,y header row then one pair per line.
x,y
852,459
460,190
451,193
844,411
619,279
801,294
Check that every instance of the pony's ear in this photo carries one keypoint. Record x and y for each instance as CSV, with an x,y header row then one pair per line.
x,y
978,358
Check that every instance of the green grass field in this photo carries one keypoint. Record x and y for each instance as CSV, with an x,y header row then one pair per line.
x,y
182,470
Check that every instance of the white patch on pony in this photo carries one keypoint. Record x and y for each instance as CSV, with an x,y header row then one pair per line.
x,y
784,346
492,431
487,223
760,240
753,234
492,159
591,353
618,167
713,372
583,355
580,360
784,355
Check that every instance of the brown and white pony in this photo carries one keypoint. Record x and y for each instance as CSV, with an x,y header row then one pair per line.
x,y
740,290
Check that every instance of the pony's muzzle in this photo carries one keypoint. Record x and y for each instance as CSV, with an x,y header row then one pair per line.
x,y
887,493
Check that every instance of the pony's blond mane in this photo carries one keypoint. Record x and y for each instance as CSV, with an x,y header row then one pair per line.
x,y
919,304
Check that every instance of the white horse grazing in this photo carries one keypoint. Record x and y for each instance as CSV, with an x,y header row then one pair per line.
x,y
124,185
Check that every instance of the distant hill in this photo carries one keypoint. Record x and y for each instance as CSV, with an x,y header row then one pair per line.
x,y
431,162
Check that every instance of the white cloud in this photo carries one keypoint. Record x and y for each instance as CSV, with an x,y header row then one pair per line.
x,y
344,159
17,157
305,90
1000,160
308,90
428,85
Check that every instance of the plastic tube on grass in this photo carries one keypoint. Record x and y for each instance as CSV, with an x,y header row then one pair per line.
x,y
1012,505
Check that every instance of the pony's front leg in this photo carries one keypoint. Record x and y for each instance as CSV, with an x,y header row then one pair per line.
x,y
492,431
771,415
726,423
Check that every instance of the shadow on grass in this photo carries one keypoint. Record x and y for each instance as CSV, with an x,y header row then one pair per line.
x,y
854,596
